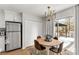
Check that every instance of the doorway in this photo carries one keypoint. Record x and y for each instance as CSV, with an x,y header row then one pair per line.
x,y
13,35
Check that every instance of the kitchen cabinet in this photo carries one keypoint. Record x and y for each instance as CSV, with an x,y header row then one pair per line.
x,y
2,43
12,16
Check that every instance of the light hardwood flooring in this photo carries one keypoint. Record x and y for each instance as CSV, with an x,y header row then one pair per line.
x,y
31,51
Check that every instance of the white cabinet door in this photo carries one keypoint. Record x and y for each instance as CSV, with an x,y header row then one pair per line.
x,y
12,16
2,43
2,19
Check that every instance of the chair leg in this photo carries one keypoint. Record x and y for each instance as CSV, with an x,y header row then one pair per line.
x,y
53,53
36,51
60,53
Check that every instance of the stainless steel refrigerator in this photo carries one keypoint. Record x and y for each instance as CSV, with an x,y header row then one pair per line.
x,y
13,35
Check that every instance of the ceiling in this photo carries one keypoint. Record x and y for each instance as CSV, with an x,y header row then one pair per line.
x,y
34,9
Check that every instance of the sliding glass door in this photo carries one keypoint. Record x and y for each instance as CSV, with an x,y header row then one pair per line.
x,y
64,30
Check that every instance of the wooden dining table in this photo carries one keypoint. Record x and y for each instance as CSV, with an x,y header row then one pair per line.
x,y
48,44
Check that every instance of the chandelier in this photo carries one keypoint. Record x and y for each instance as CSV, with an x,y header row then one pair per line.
x,y
50,14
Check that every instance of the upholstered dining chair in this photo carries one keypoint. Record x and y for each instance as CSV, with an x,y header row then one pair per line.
x,y
38,46
38,37
57,50
54,47
56,38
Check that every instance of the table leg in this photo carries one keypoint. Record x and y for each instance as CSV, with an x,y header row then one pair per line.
x,y
47,49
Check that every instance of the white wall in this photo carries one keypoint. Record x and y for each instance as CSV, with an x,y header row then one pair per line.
x,y
32,27
47,27
66,13
44,26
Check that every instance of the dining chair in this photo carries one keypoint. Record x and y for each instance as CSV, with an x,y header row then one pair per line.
x,y
54,47
56,38
38,46
57,50
38,37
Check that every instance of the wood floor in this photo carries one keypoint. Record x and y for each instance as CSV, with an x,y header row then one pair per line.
x,y
17,52
30,51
